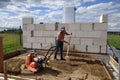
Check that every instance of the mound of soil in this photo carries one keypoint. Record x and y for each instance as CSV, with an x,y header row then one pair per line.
x,y
13,65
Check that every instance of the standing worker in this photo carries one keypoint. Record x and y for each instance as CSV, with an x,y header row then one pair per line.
x,y
59,42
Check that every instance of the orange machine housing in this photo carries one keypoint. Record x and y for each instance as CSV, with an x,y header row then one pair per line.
x,y
30,64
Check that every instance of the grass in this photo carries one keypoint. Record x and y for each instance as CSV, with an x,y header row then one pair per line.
x,y
11,42
114,40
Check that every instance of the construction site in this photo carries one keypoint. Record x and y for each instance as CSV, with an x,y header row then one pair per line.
x,y
87,54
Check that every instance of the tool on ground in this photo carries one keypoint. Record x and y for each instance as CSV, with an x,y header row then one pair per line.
x,y
67,56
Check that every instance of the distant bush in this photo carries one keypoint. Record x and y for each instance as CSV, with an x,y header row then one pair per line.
x,y
12,31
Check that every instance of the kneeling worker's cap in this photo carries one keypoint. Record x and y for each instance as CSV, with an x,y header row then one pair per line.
x,y
62,28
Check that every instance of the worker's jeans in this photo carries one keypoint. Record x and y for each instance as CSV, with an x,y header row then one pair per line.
x,y
59,45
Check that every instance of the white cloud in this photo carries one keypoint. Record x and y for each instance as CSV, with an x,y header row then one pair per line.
x,y
89,0
93,12
50,11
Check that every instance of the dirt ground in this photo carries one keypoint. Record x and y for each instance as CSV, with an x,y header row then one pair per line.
x,y
81,67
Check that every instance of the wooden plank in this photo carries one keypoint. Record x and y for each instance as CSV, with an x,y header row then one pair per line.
x,y
5,70
114,62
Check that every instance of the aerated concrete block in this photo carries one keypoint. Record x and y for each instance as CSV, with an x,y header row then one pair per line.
x,y
86,41
40,40
93,48
26,33
100,26
36,46
40,27
80,48
50,27
27,45
103,49
24,27
50,40
27,20
99,41
55,33
66,25
97,34
48,33
104,18
31,39
38,33
75,40
30,27
79,34
46,45
74,27
86,26
24,39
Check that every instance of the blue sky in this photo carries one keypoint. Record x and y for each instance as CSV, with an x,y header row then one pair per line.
x,y
50,11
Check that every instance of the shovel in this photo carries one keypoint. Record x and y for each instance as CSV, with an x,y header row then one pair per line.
x,y
67,56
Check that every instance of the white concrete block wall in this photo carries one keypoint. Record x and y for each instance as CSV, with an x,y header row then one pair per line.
x,y
27,21
40,39
36,46
86,41
31,39
81,48
79,34
74,40
46,45
39,27
96,34
100,27
87,26
24,39
93,48
38,33
30,27
26,33
74,27
90,37
50,40
55,33
50,27
99,41
103,49
24,27
27,45
48,33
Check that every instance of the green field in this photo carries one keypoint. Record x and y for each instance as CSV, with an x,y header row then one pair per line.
x,y
114,40
11,42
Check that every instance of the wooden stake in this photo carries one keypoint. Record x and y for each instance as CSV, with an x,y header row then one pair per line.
x,y
5,70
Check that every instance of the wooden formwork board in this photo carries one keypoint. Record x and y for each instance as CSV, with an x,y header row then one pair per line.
x,y
114,62
12,77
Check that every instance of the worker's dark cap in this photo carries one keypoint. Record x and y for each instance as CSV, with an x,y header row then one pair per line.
x,y
63,28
